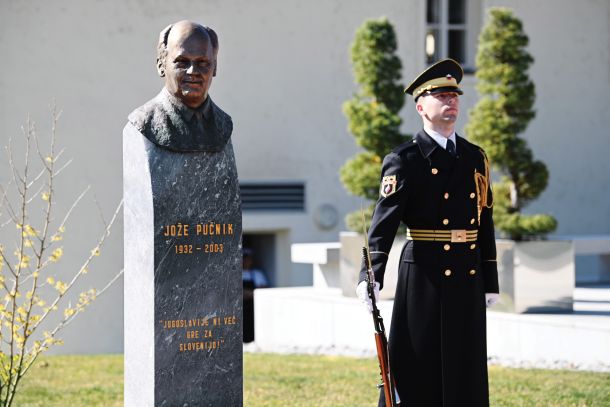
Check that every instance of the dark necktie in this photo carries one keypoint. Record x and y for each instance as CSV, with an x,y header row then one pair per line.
x,y
450,147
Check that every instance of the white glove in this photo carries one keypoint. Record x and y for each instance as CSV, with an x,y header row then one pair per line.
x,y
491,299
363,294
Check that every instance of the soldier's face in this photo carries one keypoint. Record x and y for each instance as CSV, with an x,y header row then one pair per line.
x,y
189,66
439,108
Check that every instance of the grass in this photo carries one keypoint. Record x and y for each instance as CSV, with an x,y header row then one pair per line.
x,y
549,388
270,380
73,381
305,381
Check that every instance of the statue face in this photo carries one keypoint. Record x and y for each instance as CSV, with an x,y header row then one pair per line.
x,y
189,65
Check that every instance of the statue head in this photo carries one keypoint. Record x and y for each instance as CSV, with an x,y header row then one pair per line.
x,y
187,59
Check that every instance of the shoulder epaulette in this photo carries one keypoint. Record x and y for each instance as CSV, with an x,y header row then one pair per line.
x,y
473,147
411,144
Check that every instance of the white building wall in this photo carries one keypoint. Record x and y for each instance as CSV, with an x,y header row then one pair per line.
x,y
284,72
287,89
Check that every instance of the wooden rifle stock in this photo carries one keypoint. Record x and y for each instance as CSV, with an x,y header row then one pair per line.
x,y
387,380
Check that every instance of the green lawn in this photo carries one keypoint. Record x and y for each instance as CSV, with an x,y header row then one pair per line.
x,y
73,381
271,380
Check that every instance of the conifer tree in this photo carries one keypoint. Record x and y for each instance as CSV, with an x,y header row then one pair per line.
x,y
502,113
372,112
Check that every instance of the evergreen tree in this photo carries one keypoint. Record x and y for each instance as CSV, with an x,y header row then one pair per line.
x,y
373,111
502,113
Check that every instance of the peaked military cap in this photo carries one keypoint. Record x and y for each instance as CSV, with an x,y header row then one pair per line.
x,y
443,76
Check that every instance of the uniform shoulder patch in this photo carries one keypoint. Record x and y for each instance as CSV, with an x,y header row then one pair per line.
x,y
388,185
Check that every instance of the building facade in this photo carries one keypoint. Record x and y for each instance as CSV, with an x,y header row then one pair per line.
x,y
283,74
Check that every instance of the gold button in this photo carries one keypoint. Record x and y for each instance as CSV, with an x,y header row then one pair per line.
x,y
445,221
472,272
472,221
447,247
473,246
434,171
472,195
447,272
446,195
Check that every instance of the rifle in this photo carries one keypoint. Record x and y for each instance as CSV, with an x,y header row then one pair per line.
x,y
387,379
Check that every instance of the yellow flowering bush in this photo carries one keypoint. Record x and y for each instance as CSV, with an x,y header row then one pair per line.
x,y
31,268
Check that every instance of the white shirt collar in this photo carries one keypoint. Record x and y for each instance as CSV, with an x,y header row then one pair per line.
x,y
440,139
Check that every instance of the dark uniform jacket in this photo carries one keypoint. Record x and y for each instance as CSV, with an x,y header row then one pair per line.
x,y
437,340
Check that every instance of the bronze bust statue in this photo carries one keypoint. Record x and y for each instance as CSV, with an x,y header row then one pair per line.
x,y
182,117
179,173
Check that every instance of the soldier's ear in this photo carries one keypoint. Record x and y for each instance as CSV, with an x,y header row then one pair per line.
x,y
160,68
215,68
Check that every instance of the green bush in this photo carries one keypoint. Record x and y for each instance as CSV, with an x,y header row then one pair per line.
x,y
502,113
372,112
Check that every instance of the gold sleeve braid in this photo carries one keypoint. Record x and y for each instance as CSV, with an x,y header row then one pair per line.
x,y
482,183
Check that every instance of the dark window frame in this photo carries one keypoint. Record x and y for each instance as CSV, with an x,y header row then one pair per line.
x,y
439,29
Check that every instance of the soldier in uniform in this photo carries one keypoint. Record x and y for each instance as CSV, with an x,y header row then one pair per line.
x,y
438,185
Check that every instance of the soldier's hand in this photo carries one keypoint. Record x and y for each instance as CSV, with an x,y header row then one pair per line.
x,y
491,299
363,295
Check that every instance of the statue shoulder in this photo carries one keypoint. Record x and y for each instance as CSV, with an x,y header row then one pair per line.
x,y
160,122
143,117
224,123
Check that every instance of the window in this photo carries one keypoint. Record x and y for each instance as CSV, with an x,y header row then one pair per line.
x,y
447,34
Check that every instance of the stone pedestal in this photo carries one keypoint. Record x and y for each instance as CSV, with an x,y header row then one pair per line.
x,y
183,283
351,260
324,257
535,276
